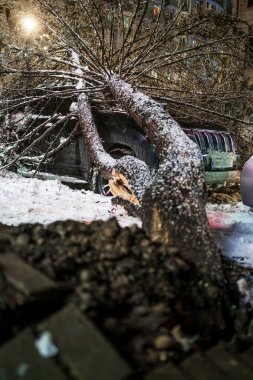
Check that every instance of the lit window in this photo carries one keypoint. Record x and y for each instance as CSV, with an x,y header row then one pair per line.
x,y
126,21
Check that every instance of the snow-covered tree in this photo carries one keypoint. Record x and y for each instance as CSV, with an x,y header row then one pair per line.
x,y
156,65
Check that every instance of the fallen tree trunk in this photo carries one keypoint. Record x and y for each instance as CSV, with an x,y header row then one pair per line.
x,y
96,151
173,203
128,176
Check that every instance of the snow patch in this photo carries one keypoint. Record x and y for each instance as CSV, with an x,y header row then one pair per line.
x,y
31,200
238,207
45,345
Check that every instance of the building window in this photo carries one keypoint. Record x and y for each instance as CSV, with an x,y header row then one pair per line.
x,y
154,74
250,3
192,40
126,22
170,74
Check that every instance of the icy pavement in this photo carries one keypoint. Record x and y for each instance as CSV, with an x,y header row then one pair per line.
x,y
26,200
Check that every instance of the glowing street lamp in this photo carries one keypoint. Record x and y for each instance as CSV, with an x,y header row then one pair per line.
x,y
29,24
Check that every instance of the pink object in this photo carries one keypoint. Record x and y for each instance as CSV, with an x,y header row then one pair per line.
x,y
246,183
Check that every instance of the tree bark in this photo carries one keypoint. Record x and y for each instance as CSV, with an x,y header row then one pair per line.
x,y
96,151
173,204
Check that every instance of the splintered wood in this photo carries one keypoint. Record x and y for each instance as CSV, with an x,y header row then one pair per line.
x,y
119,186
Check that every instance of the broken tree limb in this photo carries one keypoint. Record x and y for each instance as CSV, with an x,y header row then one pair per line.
x,y
37,141
131,177
96,151
173,205
128,176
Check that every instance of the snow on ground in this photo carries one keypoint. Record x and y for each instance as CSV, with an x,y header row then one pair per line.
x,y
26,200
31,200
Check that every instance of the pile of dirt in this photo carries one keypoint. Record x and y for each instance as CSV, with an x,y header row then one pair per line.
x,y
150,302
227,194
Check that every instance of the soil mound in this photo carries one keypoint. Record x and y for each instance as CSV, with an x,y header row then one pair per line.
x,y
146,298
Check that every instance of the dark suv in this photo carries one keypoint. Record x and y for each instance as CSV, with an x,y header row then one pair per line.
x,y
121,136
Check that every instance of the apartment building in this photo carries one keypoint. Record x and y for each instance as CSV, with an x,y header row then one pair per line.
x,y
243,10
